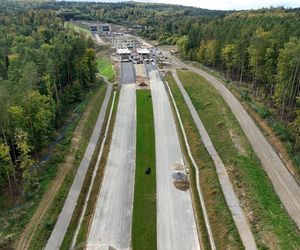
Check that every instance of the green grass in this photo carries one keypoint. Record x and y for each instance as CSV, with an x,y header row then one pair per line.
x,y
270,223
105,68
144,207
78,29
48,221
223,228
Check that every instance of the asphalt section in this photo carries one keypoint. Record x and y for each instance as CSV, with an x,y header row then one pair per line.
x,y
61,226
231,199
111,226
283,182
127,73
176,225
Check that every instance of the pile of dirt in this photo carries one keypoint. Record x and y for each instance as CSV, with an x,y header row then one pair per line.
x,y
180,181
182,185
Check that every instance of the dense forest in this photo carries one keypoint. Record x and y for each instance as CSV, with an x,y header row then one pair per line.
x,y
44,70
257,49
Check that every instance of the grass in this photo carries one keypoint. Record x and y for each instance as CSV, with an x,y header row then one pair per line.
x,y
144,207
223,228
270,223
105,68
80,203
44,229
79,29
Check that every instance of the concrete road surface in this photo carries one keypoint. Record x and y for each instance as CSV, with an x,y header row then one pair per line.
x,y
176,226
231,199
283,182
111,226
127,73
65,216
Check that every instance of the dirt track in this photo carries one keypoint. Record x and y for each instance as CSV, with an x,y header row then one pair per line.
x,y
26,236
283,182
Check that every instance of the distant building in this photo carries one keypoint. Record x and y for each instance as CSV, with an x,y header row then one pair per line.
x,y
105,28
94,29
144,52
123,53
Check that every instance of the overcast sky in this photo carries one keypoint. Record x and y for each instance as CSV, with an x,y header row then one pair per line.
x,y
223,4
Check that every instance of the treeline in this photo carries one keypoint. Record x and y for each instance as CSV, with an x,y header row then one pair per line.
x,y
44,70
156,21
260,49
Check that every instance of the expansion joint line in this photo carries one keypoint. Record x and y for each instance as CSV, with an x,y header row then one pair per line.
x,y
94,175
200,194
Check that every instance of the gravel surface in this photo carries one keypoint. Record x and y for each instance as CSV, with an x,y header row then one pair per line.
x,y
111,226
127,73
283,182
65,216
231,199
176,226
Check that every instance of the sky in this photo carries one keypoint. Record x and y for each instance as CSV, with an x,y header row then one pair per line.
x,y
223,4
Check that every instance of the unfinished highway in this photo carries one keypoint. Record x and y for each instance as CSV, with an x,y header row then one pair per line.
x,y
111,226
283,182
176,225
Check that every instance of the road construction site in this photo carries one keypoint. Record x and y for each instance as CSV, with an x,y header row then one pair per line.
x,y
177,226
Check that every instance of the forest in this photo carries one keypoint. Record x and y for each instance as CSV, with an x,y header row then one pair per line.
x,y
257,49
44,70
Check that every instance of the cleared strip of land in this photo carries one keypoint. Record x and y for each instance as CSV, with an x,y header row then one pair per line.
x,y
231,199
111,226
38,230
283,182
224,231
144,208
65,216
176,225
269,221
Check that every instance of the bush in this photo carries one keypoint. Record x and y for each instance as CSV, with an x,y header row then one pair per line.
x,y
245,96
281,131
263,112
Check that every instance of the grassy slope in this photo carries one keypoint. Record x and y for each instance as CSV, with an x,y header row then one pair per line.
x,y
224,230
78,28
144,209
43,232
105,68
270,223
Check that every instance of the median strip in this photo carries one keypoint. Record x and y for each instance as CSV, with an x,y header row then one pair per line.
x,y
144,208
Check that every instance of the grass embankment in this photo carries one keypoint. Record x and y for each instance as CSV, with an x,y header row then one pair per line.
x,y
105,68
269,221
47,223
95,189
223,228
280,135
144,207
78,28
